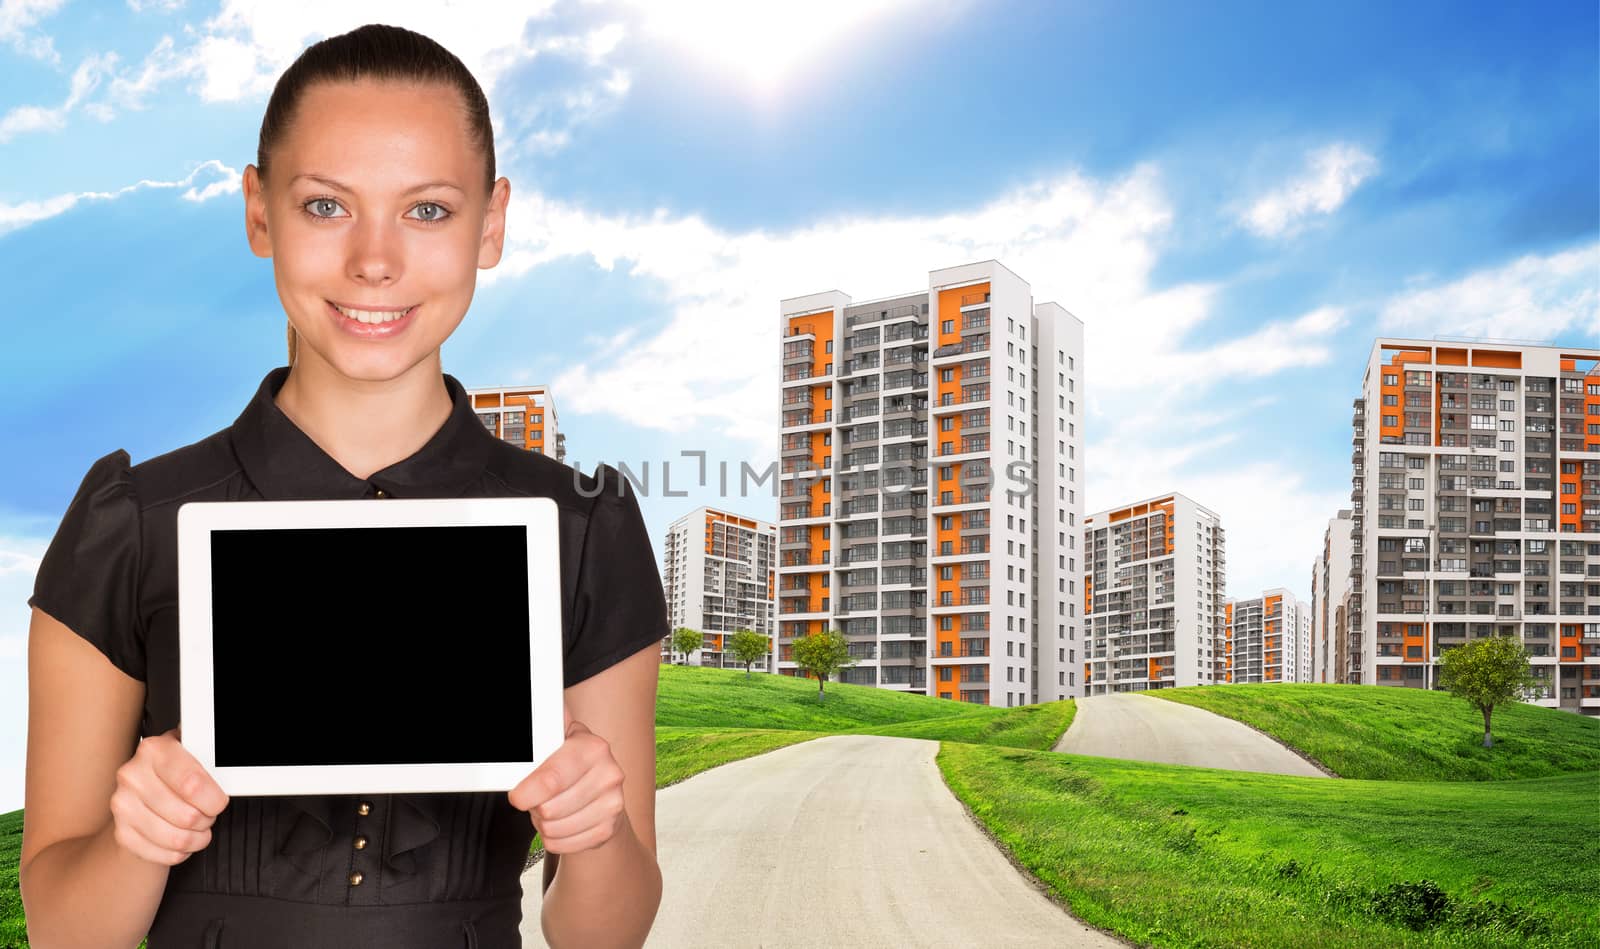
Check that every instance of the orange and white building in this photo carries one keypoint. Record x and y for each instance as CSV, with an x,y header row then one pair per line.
x,y
1477,511
930,486
720,572
1154,586
525,416
1268,638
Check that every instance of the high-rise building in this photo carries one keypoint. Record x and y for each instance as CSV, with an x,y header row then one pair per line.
x,y
1268,638
525,416
1330,601
1477,511
1154,589
719,572
949,565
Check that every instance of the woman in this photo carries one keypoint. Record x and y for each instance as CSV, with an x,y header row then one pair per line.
x,y
374,194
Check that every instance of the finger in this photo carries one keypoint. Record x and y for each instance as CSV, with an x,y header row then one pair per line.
x,y
144,831
546,781
133,842
163,801
591,784
589,839
601,809
179,770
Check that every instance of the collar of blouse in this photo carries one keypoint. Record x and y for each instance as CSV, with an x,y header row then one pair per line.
x,y
285,464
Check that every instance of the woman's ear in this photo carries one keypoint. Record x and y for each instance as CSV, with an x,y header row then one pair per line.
x,y
493,241
255,213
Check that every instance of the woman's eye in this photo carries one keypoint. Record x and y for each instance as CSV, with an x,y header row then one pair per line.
x,y
316,206
430,212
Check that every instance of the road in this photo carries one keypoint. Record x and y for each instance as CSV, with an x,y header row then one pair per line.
x,y
1144,728
842,841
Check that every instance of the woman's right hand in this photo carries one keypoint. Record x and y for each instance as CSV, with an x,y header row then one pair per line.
x,y
165,802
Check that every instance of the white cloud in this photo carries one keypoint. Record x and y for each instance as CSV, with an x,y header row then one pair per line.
x,y
1332,174
196,187
17,16
240,51
31,118
1533,297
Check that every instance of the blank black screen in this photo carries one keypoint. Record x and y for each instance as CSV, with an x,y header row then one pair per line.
x,y
371,645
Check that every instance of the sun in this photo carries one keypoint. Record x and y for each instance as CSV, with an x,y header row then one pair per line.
x,y
763,44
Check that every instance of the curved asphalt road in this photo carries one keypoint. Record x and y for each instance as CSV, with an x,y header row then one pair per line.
x,y
864,826
1145,728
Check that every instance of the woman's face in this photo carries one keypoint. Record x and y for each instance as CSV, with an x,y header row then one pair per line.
x,y
375,209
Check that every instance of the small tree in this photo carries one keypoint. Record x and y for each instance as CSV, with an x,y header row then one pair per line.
x,y
821,655
1486,672
686,640
749,646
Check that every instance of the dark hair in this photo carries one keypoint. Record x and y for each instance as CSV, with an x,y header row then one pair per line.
x,y
374,51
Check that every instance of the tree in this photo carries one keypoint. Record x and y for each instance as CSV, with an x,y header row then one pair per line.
x,y
686,640
1487,672
821,655
749,646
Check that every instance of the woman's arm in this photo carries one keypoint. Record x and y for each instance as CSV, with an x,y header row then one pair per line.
x,y
79,887
607,894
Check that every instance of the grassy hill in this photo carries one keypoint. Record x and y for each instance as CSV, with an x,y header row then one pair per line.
x,y
1385,733
1168,855
718,699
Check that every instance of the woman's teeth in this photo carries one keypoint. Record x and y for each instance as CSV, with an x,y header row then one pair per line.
x,y
373,316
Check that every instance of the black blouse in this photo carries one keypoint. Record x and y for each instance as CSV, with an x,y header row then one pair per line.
x,y
401,871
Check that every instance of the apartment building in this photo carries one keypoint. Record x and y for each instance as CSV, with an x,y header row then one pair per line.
x,y
1154,586
720,574
948,563
1476,512
1268,638
1330,600
525,416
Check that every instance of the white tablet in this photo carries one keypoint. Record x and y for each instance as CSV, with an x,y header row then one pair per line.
x,y
369,646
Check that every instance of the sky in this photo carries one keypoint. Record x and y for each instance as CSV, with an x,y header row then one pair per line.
x,y
1236,198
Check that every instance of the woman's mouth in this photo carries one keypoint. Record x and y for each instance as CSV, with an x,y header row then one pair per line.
x,y
372,323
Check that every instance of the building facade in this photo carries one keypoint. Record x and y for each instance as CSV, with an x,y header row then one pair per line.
x,y
948,563
1268,638
1330,601
1476,512
720,574
1154,590
525,416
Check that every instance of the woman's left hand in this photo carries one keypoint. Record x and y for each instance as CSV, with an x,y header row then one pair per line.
x,y
574,797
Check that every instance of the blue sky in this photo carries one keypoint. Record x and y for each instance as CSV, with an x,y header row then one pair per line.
x,y
1234,197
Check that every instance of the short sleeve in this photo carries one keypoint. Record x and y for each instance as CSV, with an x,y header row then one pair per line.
x,y
619,607
89,576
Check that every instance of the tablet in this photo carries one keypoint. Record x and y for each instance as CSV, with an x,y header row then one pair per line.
x,y
369,646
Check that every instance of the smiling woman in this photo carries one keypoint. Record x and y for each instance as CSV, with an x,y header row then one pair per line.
x,y
374,195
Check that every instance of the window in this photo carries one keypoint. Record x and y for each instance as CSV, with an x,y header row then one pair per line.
x,y
948,326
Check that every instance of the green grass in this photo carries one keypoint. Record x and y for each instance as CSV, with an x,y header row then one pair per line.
x,y
1386,733
724,698
1036,727
1176,856
13,930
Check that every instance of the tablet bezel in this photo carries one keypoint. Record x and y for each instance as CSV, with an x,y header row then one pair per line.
x,y
196,521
